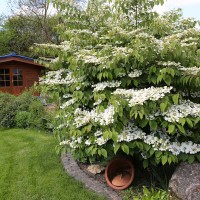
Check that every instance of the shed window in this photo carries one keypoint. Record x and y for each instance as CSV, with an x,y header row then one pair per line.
x,y
17,77
4,77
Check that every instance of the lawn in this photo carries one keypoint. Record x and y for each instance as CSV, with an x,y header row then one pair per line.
x,y
31,170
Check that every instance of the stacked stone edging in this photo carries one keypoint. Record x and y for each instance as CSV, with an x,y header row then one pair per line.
x,y
74,170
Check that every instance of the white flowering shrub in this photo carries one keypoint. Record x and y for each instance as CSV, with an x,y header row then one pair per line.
x,y
127,80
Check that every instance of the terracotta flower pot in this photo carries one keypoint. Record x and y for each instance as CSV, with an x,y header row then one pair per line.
x,y
119,173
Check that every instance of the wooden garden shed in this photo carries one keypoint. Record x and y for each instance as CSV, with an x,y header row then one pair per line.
x,y
18,73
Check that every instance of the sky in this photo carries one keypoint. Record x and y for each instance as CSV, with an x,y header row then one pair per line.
x,y
191,8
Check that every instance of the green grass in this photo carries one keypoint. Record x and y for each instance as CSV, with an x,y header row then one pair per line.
x,y
31,170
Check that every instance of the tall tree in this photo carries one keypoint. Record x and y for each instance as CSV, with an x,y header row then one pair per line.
x,y
31,22
20,32
39,12
125,86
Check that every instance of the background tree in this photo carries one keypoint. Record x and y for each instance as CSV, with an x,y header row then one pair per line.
x,y
125,85
31,22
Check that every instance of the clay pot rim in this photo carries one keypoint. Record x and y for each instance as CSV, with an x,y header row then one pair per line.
x,y
132,172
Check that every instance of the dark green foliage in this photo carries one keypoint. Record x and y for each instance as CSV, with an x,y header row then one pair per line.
x,y
23,111
23,119
8,110
19,32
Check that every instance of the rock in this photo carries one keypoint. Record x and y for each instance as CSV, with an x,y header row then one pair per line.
x,y
95,169
185,182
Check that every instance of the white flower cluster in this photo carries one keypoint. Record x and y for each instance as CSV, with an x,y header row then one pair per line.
x,y
135,73
52,77
169,64
190,39
190,70
186,70
162,143
101,141
66,96
188,44
192,94
82,117
55,60
68,103
101,86
90,56
130,133
74,143
192,32
58,77
65,46
138,97
195,94
121,51
184,109
158,140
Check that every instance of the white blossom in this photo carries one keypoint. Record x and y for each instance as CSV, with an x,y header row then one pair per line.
x,y
58,77
102,85
162,143
101,141
184,109
190,70
68,103
135,73
138,97
87,142
82,117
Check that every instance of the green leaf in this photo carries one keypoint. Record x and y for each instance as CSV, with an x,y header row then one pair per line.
x,y
110,134
145,164
182,121
125,148
143,122
167,79
104,153
153,125
159,79
114,136
169,160
158,154
171,128
152,151
94,151
190,123
181,129
99,76
164,159
197,120
105,135
183,156
198,156
116,147
99,152
141,114
191,159
146,146
163,107
175,98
